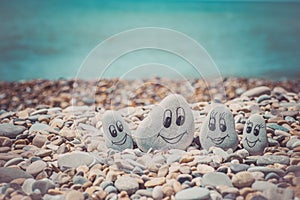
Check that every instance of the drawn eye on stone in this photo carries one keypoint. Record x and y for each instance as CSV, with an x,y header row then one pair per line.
x,y
113,131
249,127
212,121
119,126
222,123
256,130
180,116
167,118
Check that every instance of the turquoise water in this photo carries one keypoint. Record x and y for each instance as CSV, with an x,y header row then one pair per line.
x,y
50,39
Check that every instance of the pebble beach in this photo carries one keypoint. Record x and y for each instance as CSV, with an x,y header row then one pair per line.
x,y
52,145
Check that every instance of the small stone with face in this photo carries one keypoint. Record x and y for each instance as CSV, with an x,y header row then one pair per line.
x,y
218,129
170,125
117,134
255,135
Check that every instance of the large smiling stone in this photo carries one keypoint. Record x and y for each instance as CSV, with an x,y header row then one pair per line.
x,y
170,125
255,135
117,134
218,129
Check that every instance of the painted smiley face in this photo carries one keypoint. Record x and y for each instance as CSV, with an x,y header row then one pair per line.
x,y
169,125
218,129
255,135
167,122
116,132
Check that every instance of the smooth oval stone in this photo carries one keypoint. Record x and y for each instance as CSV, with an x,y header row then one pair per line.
x,y
215,179
195,193
13,161
79,180
117,134
272,175
235,168
243,179
128,184
40,127
27,185
74,160
255,135
10,130
157,192
272,159
170,125
9,174
36,167
257,91
218,129
263,98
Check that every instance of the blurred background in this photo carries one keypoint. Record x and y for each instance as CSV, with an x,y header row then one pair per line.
x,y
50,39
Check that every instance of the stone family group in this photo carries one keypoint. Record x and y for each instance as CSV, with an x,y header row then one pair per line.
x,y
171,125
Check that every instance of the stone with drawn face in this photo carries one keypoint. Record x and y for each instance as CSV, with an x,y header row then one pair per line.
x,y
218,129
255,135
170,125
117,135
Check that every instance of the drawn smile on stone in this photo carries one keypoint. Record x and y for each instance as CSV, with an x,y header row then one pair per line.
x,y
250,143
172,140
218,140
122,141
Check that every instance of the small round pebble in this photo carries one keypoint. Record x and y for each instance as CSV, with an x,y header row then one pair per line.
x,y
242,179
128,184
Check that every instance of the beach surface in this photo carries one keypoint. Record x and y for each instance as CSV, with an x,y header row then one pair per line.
x,y
52,145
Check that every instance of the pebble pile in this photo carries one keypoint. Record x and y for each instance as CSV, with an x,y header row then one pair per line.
x,y
51,149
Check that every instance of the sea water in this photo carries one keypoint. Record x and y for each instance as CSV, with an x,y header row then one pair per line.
x,y
51,39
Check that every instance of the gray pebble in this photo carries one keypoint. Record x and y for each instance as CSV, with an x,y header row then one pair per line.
x,y
263,98
293,142
10,130
290,119
74,159
9,174
105,184
79,180
36,167
257,91
13,161
110,189
128,184
135,197
272,159
145,192
53,197
27,186
215,179
235,168
157,193
195,193
40,127
271,175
